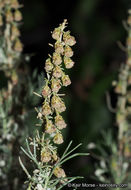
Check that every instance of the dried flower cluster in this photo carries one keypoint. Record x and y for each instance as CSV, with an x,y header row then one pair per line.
x,y
11,46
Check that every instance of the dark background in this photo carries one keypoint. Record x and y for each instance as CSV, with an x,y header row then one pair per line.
x,y
97,26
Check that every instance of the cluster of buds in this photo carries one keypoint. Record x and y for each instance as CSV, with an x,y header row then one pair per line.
x,y
53,104
11,15
48,153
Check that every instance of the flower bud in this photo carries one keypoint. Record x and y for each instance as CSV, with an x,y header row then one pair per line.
x,y
46,91
45,156
1,4
129,61
14,78
7,2
57,60
18,46
118,88
17,16
1,21
58,104
14,4
66,80
57,72
129,97
127,151
15,31
129,41
39,116
59,122
59,172
120,117
68,51
59,48
129,20
56,34
55,85
49,128
48,65
54,156
9,16
68,62
68,39
46,109
129,80
58,138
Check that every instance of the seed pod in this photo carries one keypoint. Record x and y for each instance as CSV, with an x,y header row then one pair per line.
x,y
17,16
45,156
66,80
48,65
68,39
46,91
46,109
49,128
18,46
68,51
56,33
59,48
59,122
57,72
59,172
55,85
68,62
57,60
58,138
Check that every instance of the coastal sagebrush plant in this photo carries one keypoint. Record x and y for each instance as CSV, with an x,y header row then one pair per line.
x,y
115,154
10,52
14,109
48,173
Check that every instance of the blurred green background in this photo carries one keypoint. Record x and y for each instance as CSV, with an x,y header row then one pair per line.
x,y
97,26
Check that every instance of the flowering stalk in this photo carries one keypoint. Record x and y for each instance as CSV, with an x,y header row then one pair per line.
x,y
48,173
10,52
11,47
53,104
115,163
